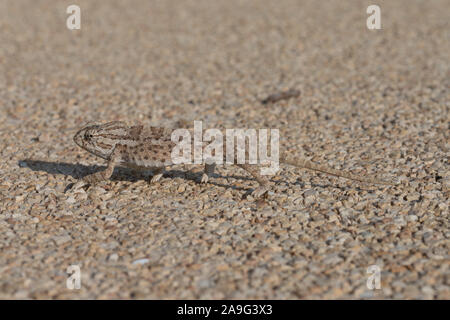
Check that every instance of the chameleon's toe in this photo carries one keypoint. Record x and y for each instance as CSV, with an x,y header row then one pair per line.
x,y
77,185
94,178
260,191
205,178
90,180
156,178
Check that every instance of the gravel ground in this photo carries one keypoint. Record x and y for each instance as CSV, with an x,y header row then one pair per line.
x,y
372,102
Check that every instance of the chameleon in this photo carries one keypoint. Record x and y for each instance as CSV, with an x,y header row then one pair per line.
x,y
149,148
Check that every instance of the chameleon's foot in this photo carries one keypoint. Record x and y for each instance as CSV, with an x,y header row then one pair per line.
x,y
157,175
205,178
260,191
77,185
156,178
94,178
208,171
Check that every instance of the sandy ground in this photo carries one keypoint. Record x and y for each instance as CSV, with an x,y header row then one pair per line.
x,y
372,102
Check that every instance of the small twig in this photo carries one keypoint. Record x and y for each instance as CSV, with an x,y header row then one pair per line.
x,y
291,93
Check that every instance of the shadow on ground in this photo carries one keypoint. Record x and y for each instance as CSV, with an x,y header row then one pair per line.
x,y
78,171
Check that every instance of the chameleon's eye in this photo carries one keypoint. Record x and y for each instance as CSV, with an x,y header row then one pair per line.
x,y
88,136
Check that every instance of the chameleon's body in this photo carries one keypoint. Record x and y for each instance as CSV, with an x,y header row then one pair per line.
x,y
143,147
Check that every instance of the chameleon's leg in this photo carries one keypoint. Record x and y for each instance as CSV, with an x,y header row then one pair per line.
x,y
101,175
157,175
262,180
208,172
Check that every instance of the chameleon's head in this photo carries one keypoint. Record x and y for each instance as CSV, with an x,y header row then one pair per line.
x,y
93,138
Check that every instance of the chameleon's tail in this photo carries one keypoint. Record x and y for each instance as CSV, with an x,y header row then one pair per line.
x,y
302,163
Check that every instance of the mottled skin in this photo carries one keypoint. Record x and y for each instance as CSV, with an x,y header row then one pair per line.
x,y
136,147
142,147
